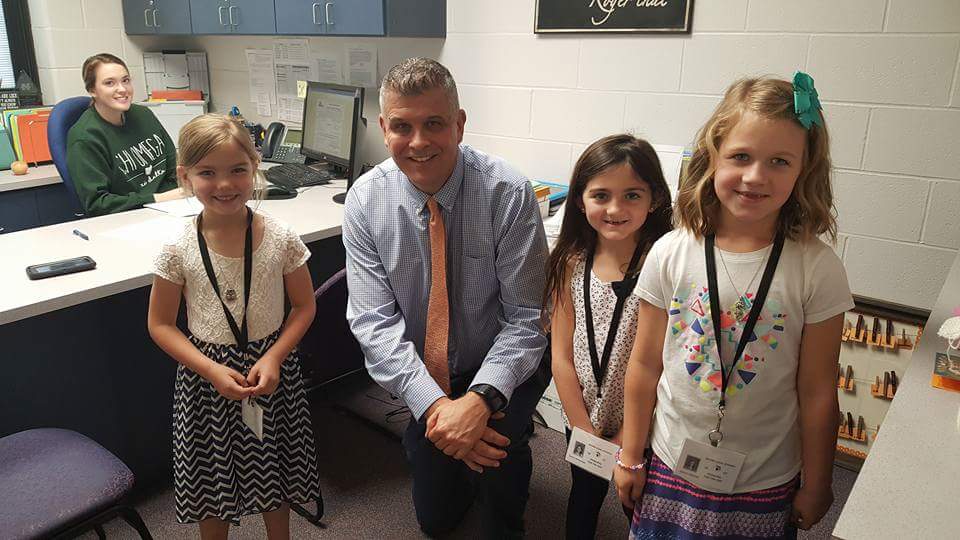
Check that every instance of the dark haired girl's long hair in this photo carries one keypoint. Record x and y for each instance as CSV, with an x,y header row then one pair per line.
x,y
576,234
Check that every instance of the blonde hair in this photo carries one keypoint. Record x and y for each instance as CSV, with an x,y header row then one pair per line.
x,y
206,133
808,211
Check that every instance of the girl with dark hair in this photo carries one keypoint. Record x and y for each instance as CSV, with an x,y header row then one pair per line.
x,y
618,205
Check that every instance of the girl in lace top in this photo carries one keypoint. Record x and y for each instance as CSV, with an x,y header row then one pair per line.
x,y
243,442
618,205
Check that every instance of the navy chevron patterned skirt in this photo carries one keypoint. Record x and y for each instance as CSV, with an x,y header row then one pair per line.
x,y
221,469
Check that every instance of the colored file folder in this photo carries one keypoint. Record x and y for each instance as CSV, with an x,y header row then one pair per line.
x,y
33,137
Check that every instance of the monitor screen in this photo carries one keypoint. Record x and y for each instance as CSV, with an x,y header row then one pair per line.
x,y
330,113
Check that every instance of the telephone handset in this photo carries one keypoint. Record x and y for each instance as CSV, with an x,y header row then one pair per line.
x,y
276,147
273,138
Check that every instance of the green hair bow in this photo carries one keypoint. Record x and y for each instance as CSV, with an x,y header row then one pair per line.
x,y
806,103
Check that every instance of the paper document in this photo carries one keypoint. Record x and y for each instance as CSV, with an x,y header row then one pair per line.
x,y
153,62
179,207
290,110
160,229
261,74
328,128
263,105
199,75
291,50
362,65
328,68
289,74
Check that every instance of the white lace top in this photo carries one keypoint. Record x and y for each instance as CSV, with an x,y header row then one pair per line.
x,y
606,412
280,252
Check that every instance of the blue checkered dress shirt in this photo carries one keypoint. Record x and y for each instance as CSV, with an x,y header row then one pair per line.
x,y
496,253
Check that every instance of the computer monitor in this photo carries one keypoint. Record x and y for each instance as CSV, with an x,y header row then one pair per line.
x,y
331,115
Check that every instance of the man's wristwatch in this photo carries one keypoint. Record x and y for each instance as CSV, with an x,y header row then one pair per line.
x,y
491,396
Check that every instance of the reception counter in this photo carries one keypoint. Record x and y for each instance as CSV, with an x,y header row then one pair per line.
x,y
909,486
77,354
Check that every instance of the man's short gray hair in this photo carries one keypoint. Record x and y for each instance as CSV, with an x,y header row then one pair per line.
x,y
414,76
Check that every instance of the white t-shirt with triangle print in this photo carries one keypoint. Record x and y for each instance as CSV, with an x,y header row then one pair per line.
x,y
761,418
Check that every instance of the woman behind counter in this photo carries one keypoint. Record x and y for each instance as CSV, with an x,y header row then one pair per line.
x,y
118,154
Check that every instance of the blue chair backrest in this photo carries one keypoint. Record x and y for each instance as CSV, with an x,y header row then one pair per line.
x,y
62,117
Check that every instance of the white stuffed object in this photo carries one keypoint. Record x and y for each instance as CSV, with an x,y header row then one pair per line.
x,y
950,330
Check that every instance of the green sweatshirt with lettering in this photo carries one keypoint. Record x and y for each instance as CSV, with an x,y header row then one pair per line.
x,y
116,168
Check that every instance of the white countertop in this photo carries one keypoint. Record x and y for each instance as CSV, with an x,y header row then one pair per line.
x,y
909,486
124,245
41,175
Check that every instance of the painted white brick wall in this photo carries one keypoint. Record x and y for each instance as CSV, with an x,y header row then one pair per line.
x,y
887,71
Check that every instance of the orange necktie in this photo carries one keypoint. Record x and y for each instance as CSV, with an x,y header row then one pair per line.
x,y
438,310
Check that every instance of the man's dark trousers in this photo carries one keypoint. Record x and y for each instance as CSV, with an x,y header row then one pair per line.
x,y
444,487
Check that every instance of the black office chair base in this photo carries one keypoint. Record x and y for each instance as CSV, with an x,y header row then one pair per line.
x,y
312,517
127,513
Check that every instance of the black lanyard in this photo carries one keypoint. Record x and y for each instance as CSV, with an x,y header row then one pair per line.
x,y
622,289
755,308
239,332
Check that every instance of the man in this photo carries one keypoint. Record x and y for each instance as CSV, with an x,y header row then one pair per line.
x,y
445,265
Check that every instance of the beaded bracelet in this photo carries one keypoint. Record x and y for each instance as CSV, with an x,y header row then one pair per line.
x,y
639,466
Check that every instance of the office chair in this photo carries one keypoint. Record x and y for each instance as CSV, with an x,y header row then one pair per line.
x,y
62,117
328,350
57,483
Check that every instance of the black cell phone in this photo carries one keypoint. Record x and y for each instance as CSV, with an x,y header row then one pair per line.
x,y
58,268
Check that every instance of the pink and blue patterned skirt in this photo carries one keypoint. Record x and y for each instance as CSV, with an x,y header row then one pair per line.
x,y
673,508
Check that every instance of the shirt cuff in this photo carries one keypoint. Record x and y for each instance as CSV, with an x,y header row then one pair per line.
x,y
421,393
498,377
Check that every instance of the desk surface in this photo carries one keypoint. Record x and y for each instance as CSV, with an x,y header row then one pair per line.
x,y
124,245
908,487
42,175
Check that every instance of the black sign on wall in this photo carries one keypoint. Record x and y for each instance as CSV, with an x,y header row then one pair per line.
x,y
672,16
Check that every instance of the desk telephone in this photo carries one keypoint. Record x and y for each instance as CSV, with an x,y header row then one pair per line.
x,y
282,145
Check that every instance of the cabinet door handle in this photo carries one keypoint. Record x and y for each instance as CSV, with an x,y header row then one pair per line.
x,y
316,6
155,23
230,11
326,12
146,18
220,14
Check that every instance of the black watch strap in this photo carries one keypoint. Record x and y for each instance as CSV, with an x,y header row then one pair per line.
x,y
494,399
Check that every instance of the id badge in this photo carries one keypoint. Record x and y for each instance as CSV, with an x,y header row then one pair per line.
x,y
591,453
709,467
253,416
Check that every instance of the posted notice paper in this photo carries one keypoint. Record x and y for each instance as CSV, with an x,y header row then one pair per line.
x,y
361,65
261,74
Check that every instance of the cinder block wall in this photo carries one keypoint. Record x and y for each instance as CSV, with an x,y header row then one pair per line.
x,y
886,70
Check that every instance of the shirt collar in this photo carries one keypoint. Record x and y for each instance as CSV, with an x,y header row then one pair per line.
x,y
447,196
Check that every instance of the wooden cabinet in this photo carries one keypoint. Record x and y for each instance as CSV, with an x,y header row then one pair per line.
x,y
156,16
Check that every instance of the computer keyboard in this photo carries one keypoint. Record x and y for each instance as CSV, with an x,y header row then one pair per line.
x,y
296,175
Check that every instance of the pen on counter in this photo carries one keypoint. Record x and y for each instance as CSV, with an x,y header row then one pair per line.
x,y
80,234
